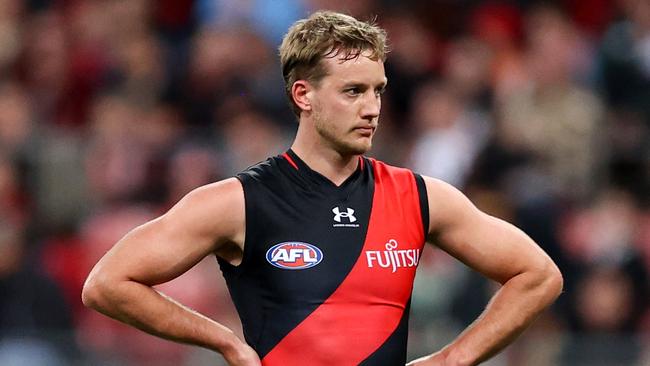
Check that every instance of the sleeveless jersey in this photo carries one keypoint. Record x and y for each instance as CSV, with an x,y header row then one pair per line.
x,y
327,271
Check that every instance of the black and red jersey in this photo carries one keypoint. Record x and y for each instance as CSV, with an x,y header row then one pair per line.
x,y
327,271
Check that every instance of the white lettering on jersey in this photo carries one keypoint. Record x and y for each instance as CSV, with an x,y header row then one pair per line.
x,y
392,258
292,255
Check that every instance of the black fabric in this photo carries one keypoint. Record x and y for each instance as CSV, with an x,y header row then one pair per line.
x,y
395,346
285,204
424,203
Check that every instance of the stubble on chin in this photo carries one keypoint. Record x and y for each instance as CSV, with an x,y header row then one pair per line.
x,y
343,142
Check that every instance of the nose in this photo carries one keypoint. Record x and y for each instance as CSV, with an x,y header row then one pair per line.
x,y
371,106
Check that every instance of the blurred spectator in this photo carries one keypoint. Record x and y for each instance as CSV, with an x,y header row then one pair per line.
x,y
552,118
413,57
44,65
13,203
607,233
604,231
141,75
10,34
245,127
269,18
626,59
592,16
467,69
605,304
16,119
35,321
217,73
451,134
625,74
500,26
116,160
191,167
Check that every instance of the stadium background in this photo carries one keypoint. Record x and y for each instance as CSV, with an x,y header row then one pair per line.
x,y
111,110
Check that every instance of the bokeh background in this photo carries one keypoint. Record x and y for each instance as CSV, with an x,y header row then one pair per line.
x,y
111,110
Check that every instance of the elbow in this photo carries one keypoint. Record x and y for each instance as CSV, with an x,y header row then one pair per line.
x,y
95,291
553,282
543,281
91,293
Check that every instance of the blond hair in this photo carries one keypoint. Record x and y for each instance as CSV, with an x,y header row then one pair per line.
x,y
326,34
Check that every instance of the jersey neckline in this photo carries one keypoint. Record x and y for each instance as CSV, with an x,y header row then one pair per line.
x,y
303,169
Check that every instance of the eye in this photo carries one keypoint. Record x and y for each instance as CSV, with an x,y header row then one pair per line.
x,y
354,91
380,91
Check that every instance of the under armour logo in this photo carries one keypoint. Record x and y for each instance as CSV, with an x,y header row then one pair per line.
x,y
348,215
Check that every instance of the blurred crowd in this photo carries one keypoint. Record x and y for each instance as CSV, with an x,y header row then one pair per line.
x,y
112,110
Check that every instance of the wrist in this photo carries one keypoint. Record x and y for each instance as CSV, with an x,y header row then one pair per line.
x,y
454,356
237,352
229,345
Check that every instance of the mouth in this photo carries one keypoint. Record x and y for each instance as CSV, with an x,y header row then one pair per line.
x,y
366,131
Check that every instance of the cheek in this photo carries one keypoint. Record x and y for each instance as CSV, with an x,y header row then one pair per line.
x,y
336,111
335,108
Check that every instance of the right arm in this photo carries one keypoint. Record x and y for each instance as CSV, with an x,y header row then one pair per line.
x,y
210,219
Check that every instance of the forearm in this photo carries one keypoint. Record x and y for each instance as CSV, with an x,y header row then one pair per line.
x,y
510,311
148,310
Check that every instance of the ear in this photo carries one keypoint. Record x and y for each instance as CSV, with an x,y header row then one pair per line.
x,y
300,92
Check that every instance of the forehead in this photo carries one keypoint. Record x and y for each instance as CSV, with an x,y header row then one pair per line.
x,y
358,69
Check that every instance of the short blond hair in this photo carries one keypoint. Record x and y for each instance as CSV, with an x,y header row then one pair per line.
x,y
326,34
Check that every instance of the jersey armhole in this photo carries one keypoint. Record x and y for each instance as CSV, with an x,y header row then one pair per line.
x,y
424,203
238,269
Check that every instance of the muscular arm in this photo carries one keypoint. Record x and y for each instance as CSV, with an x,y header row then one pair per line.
x,y
530,280
209,219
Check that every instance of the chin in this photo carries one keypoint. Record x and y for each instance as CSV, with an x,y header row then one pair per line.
x,y
357,149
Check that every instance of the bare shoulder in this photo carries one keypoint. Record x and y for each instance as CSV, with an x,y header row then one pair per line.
x,y
447,204
437,187
225,194
216,209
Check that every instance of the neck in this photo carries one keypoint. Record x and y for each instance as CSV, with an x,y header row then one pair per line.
x,y
333,165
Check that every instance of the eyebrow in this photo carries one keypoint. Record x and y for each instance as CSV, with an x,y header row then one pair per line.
x,y
357,84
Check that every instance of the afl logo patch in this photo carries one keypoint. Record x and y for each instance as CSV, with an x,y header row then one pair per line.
x,y
294,255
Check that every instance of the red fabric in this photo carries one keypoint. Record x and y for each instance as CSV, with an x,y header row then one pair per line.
x,y
368,305
286,156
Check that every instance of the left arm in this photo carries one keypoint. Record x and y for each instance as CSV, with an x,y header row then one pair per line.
x,y
530,280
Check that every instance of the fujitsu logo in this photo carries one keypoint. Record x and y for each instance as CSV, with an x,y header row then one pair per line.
x,y
392,257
